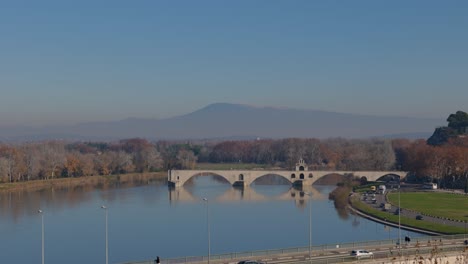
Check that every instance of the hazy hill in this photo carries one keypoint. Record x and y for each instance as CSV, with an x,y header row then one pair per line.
x,y
222,120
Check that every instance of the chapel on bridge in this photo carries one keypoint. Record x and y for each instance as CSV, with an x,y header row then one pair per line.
x,y
301,165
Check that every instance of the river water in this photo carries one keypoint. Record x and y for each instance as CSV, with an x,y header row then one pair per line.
x,y
154,220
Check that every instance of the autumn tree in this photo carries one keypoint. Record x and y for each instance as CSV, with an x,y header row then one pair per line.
x,y
102,163
11,163
71,167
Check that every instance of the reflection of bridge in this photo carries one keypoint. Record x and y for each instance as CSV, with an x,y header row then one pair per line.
x,y
301,176
247,194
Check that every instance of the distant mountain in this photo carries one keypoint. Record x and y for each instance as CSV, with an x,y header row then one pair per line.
x,y
235,121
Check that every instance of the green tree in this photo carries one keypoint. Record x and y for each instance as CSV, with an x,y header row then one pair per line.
x,y
458,121
457,125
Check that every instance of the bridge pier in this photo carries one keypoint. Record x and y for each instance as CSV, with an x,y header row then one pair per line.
x,y
302,182
174,184
240,184
177,178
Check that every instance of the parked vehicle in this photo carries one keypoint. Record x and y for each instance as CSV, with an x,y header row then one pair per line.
x,y
362,254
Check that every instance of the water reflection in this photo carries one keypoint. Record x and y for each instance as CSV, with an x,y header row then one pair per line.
x,y
24,203
247,193
148,219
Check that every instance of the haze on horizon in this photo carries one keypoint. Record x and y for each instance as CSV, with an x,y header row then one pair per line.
x,y
66,62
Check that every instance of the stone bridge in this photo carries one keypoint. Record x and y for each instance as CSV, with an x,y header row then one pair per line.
x,y
296,177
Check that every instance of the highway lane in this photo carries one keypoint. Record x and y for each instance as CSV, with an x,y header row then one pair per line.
x,y
384,251
429,245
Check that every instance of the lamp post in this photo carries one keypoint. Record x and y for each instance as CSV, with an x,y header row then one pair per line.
x,y
310,224
107,241
42,224
208,226
399,217
465,229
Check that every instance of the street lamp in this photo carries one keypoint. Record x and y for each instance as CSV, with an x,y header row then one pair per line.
x,y
465,229
107,241
42,224
310,224
208,226
399,217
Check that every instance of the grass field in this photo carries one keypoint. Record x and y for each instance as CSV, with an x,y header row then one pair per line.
x,y
405,220
448,205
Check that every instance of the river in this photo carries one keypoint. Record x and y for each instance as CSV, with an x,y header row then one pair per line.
x,y
154,220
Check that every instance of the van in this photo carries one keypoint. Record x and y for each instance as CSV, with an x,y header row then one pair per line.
x,y
382,189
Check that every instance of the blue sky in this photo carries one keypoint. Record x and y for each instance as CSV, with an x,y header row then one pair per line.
x,y
75,61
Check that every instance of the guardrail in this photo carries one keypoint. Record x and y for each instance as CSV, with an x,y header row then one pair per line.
x,y
315,249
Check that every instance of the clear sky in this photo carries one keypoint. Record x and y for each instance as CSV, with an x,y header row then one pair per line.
x,y
74,61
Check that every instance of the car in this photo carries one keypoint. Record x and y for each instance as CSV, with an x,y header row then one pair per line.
x,y
419,217
249,262
360,253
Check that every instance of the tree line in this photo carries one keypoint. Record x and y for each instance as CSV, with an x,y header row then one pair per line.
x,y
446,164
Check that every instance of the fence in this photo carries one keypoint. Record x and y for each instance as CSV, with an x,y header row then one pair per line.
x,y
231,257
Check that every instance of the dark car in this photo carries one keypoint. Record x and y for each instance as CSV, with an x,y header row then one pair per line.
x,y
419,217
249,262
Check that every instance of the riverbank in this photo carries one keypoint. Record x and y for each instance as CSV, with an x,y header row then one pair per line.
x,y
395,225
88,181
405,220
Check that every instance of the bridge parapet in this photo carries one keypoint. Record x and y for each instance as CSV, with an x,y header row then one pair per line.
x,y
177,178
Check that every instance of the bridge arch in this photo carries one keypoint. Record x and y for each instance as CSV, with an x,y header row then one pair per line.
x,y
182,179
246,177
284,177
389,177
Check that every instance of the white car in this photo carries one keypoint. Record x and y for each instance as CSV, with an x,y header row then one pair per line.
x,y
362,253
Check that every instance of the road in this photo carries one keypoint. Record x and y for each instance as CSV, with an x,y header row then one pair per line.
x,y
430,245
380,198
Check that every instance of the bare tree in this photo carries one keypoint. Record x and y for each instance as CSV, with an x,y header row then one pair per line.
x,y
52,158
186,159
121,162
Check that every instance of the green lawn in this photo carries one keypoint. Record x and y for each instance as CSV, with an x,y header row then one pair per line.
x,y
448,205
405,220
